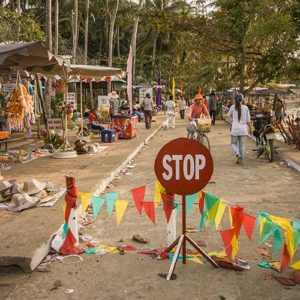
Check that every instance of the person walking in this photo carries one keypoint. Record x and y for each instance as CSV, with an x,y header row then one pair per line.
x,y
170,108
240,126
147,108
181,105
212,107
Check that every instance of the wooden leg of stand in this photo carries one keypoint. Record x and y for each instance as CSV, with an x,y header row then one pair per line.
x,y
172,245
184,229
201,251
174,261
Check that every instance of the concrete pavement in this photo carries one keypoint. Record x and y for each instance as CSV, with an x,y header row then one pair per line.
x,y
25,236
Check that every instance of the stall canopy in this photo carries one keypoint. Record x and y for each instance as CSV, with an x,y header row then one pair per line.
x,y
28,54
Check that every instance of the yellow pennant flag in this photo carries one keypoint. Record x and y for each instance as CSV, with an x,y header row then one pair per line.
x,y
262,223
173,88
196,260
235,246
121,206
220,213
296,265
85,200
212,212
159,189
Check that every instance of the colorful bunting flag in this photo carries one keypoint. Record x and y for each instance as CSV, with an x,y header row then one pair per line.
x,y
213,212
138,195
209,201
285,258
190,201
201,201
249,224
220,213
149,210
296,265
159,189
278,240
97,205
296,229
237,219
267,229
121,206
111,198
85,201
227,236
168,202
176,206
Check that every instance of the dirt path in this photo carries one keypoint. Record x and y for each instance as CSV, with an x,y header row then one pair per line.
x,y
257,185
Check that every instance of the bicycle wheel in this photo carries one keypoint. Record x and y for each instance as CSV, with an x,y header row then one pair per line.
x,y
270,150
204,140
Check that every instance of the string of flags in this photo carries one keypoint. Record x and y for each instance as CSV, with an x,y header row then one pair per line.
x,y
285,232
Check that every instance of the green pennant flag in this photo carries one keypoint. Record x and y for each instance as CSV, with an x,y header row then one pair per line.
x,y
190,201
176,206
296,229
65,230
278,240
267,231
209,202
97,205
111,198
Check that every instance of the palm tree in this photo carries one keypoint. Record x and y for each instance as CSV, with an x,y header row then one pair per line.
x,y
49,23
111,33
86,30
75,30
56,26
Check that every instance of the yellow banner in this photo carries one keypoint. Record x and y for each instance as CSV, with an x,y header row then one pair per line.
x,y
120,206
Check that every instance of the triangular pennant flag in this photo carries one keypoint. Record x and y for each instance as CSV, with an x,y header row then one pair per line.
x,y
237,219
235,245
296,265
176,205
168,202
282,222
111,198
65,230
213,212
85,201
227,236
220,213
249,223
190,201
289,240
97,205
149,210
209,201
201,201
138,195
278,240
159,189
296,229
285,258
267,230
121,206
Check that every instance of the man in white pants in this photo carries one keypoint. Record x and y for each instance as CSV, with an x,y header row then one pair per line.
x,y
170,108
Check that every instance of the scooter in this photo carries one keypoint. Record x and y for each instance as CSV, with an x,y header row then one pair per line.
x,y
265,135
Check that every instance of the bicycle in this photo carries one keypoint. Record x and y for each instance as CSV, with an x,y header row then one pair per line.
x,y
196,133
264,133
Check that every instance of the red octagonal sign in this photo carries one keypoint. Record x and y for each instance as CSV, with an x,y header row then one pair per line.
x,y
183,166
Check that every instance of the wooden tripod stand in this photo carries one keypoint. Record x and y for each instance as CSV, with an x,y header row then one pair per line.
x,y
181,243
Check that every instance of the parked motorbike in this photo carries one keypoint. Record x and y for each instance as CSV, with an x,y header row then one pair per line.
x,y
264,133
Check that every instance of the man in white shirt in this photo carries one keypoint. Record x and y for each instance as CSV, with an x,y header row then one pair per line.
x,y
170,108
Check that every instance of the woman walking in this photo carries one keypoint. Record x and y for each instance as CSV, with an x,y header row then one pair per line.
x,y
239,129
181,106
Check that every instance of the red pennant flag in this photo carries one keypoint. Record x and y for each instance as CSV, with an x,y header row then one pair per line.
x,y
201,201
249,224
68,246
227,236
237,219
285,258
168,202
138,195
149,210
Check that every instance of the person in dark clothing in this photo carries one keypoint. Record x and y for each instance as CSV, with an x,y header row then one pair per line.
x,y
212,107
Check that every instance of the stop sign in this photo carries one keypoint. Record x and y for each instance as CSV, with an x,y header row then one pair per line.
x,y
183,166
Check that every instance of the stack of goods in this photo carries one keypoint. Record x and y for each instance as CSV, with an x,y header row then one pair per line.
x,y
20,109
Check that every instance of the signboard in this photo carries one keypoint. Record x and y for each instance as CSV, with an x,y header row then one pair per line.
x,y
55,124
8,87
103,101
71,99
183,166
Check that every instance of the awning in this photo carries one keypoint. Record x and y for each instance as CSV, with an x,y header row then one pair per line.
x,y
27,54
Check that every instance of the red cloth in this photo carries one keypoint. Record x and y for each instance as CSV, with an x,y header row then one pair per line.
x,y
197,109
92,117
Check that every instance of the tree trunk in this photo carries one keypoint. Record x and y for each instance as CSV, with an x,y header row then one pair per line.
x,y
118,41
241,69
49,23
111,34
154,53
56,26
86,30
133,41
75,30
18,26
